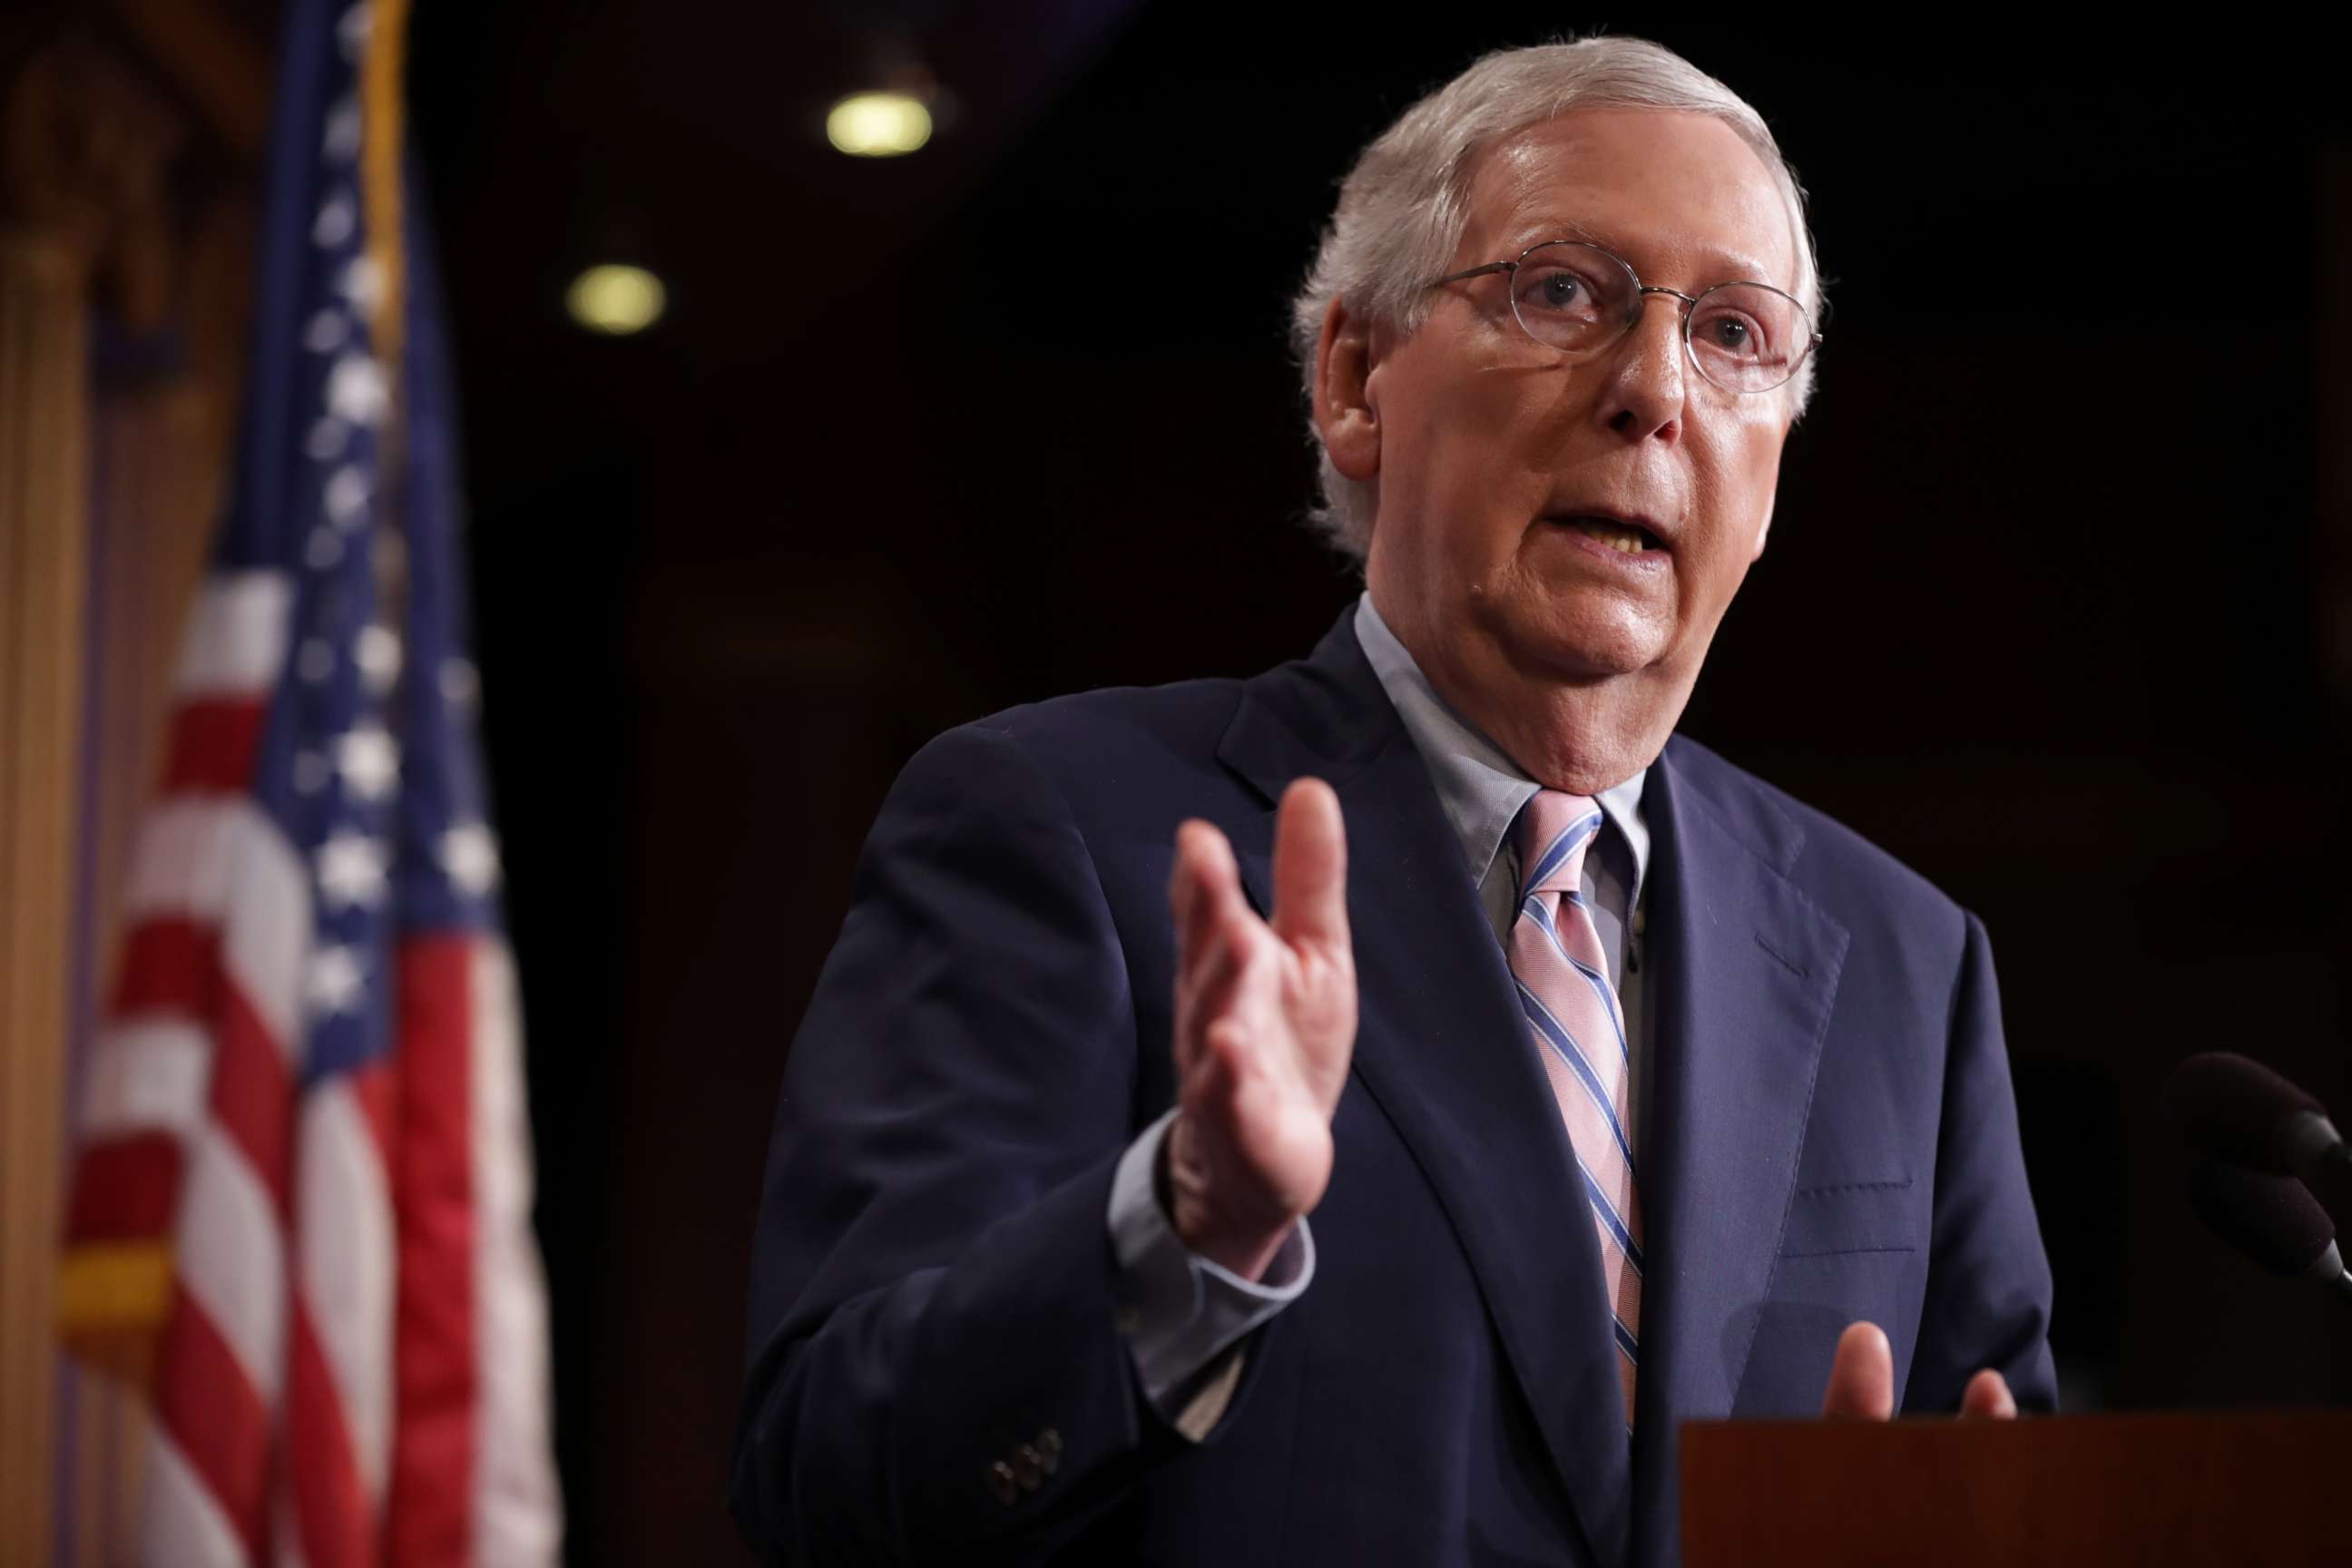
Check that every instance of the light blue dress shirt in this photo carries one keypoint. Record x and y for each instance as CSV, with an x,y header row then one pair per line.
x,y
1180,1312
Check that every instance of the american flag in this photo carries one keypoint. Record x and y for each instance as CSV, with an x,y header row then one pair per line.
x,y
301,1203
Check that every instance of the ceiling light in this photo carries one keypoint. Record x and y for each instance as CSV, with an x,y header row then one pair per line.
x,y
878,124
616,300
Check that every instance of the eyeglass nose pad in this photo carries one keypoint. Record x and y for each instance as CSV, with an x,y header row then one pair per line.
x,y
1642,301
1683,303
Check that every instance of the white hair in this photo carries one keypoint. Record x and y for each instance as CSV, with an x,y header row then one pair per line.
x,y
1403,205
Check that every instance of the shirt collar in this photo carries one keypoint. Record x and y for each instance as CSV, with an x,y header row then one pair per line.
x,y
1481,788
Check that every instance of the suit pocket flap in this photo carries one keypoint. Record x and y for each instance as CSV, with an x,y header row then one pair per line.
x,y
1857,1216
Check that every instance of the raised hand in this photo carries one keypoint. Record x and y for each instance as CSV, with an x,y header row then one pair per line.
x,y
1862,1382
1266,1021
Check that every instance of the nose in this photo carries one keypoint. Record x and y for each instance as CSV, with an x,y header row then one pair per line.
x,y
1643,395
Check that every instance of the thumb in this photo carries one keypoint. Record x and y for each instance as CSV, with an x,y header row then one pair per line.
x,y
1861,1379
1310,867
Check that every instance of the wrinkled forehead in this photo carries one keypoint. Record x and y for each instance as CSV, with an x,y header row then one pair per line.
x,y
1679,195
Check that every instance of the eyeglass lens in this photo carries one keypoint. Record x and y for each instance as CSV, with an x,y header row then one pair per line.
x,y
1579,299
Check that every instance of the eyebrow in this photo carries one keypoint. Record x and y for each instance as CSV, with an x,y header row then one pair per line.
x,y
1739,269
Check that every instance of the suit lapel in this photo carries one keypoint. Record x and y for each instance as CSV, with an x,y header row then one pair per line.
x,y
1743,972
1443,1050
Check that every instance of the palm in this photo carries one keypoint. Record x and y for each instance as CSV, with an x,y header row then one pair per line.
x,y
1266,1021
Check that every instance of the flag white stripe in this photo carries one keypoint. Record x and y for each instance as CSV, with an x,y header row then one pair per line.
x,y
146,1075
221,862
348,1267
265,927
517,1516
180,866
235,640
232,1258
181,1524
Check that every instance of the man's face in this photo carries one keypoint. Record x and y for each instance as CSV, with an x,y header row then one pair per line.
x,y
1491,446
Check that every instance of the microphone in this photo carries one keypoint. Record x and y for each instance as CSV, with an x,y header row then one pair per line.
x,y
2272,1219
2225,1107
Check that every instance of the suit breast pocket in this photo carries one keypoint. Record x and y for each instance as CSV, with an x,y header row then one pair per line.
x,y
1887,1216
1852,1251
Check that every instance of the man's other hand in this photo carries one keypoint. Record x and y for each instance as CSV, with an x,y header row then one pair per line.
x,y
1862,1382
1266,1022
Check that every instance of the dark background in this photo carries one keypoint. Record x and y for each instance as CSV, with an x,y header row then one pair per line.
x,y
2056,607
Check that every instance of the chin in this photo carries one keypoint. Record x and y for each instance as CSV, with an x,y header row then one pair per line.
x,y
1588,648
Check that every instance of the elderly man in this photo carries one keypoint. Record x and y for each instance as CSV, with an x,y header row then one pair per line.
x,y
1619,1088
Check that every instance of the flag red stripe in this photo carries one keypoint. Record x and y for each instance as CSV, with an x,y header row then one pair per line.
x,y
253,1094
125,1189
170,964
433,1454
215,1417
211,747
330,1507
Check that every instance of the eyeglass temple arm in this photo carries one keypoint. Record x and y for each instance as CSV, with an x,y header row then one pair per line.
x,y
1475,273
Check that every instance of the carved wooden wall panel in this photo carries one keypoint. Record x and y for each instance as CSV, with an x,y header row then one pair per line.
x,y
126,134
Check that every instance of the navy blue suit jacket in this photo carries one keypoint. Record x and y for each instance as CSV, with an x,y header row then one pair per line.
x,y
1828,1135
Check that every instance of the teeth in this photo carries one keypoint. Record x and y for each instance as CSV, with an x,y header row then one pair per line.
x,y
1624,540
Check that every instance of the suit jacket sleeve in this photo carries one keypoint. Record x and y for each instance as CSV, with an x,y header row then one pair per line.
x,y
933,1282
1988,1299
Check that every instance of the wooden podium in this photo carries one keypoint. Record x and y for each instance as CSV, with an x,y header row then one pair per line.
x,y
2247,1489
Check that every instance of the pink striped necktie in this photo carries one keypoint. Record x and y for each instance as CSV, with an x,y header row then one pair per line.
x,y
1579,1035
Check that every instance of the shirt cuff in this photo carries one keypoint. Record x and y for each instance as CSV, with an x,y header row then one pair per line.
x,y
1178,1311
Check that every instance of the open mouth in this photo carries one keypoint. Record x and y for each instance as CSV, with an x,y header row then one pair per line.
x,y
1625,538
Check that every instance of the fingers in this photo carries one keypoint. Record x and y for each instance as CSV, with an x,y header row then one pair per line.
x,y
1310,867
1310,875
1213,934
1862,1378
1213,974
1203,888
1987,1398
1861,1383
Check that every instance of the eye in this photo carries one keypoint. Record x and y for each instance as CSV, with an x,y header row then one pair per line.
x,y
1562,302
1558,290
1742,328
1731,337
1729,333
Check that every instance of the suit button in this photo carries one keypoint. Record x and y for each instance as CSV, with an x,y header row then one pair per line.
x,y
1028,1467
1049,1450
1002,1482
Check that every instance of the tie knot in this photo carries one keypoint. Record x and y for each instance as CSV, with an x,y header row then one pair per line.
x,y
1555,830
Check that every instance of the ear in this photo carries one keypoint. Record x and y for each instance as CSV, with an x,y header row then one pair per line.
x,y
1345,416
1765,527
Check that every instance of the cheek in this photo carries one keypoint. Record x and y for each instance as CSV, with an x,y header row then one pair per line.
x,y
1473,471
1735,484
1511,444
